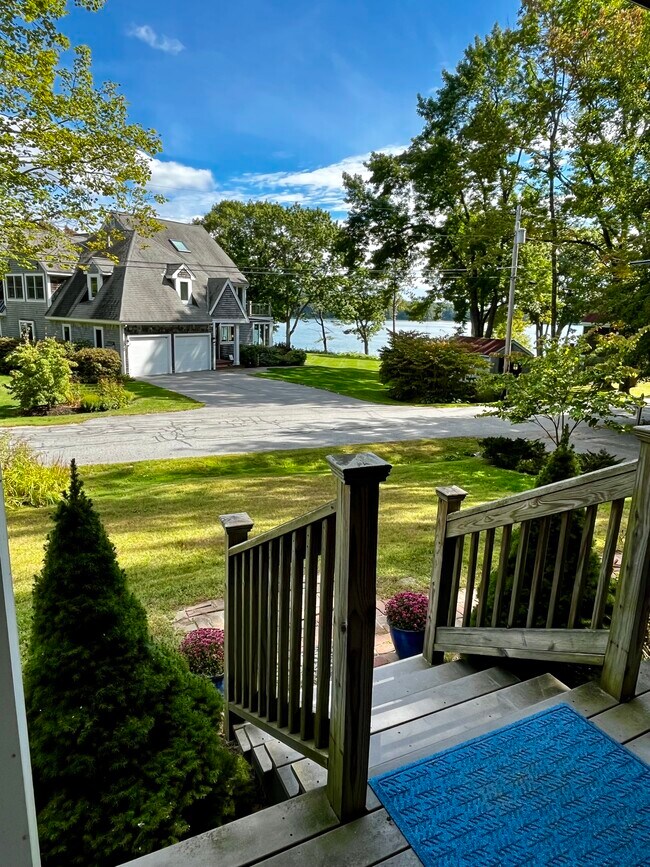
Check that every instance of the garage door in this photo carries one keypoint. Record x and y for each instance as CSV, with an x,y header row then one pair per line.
x,y
191,352
149,356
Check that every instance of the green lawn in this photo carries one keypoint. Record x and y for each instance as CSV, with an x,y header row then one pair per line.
x,y
148,398
162,516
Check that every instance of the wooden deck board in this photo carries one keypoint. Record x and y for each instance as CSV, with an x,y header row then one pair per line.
x,y
309,774
358,844
641,747
626,721
392,683
407,858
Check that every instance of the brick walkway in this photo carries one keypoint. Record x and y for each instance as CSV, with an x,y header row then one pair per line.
x,y
210,614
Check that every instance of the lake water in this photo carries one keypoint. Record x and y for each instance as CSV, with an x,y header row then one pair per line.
x,y
308,334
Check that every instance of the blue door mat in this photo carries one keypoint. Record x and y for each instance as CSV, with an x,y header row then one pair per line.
x,y
549,789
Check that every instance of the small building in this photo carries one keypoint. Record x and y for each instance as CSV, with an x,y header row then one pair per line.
x,y
173,302
493,350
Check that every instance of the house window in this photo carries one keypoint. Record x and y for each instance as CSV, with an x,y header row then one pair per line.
x,y
94,285
27,330
184,290
67,333
261,334
15,286
99,338
227,334
35,287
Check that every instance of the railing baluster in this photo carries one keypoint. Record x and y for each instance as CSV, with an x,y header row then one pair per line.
x,y
233,623
504,554
538,569
607,563
471,578
309,632
253,627
263,625
455,580
486,569
520,572
272,635
583,564
246,649
558,571
284,628
295,637
321,722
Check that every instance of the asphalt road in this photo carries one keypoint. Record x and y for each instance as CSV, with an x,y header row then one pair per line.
x,y
244,413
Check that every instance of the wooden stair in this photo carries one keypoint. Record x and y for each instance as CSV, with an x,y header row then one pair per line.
x,y
415,707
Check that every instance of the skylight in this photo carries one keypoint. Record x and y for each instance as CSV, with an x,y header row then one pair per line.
x,y
180,246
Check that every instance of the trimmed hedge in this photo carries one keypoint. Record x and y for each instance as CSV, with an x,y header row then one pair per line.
x,y
96,364
525,456
422,369
251,355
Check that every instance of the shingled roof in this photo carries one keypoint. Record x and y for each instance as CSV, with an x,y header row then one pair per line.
x,y
139,288
490,345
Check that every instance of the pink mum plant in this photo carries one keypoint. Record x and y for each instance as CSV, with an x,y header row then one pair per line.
x,y
407,610
204,651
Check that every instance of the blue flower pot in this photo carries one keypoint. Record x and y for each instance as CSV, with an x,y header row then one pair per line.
x,y
218,682
408,642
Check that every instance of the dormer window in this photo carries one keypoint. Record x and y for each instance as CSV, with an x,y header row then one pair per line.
x,y
184,290
94,285
182,279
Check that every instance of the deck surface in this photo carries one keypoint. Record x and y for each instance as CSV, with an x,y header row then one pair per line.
x,y
417,711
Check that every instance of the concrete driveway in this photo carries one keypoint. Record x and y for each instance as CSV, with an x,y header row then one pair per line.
x,y
244,413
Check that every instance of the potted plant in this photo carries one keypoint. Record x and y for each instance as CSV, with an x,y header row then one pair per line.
x,y
406,613
204,651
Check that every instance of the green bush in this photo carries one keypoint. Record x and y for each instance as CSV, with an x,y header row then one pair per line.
x,y
124,741
7,346
42,374
525,456
109,395
561,464
251,355
96,364
489,387
591,461
419,368
26,479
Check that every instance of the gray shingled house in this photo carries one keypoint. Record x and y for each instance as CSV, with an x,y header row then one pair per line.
x,y
171,303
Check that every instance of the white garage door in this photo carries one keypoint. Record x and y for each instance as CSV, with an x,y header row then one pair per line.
x,y
191,352
149,356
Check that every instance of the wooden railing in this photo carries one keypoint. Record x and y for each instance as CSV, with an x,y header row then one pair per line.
x,y
525,588
300,623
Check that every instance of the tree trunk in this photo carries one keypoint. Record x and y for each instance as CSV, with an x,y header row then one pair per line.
x,y
287,331
365,345
394,309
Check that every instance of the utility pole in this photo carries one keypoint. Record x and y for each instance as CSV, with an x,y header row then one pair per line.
x,y
520,237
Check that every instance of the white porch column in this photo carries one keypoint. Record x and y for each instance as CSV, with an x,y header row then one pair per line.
x,y
18,834
236,352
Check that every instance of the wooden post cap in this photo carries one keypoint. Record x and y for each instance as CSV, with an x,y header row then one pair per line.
x,y
450,492
642,432
361,468
236,521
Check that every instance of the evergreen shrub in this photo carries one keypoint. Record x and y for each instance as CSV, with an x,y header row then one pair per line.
x,y
525,456
125,745
592,461
254,355
95,364
419,368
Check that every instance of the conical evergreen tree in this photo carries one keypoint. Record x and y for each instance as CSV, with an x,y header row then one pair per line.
x,y
124,740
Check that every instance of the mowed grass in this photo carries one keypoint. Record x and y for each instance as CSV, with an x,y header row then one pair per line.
x,y
342,374
163,516
147,399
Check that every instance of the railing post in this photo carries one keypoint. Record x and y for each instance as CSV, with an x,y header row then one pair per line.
x,y
449,501
632,605
237,527
355,586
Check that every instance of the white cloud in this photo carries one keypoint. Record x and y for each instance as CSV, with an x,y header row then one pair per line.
x,y
145,33
191,192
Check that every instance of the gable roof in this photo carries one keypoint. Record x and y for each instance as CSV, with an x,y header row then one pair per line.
x,y
490,345
140,287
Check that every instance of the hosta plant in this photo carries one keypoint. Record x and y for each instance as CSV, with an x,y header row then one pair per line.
x,y
407,610
204,651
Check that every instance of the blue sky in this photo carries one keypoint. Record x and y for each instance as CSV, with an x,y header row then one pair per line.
x,y
275,99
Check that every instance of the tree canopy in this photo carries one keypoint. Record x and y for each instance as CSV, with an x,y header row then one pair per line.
x,y
68,154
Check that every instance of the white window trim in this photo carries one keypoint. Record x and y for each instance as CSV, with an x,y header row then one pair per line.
x,y
95,276
67,328
6,286
95,330
31,322
40,274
